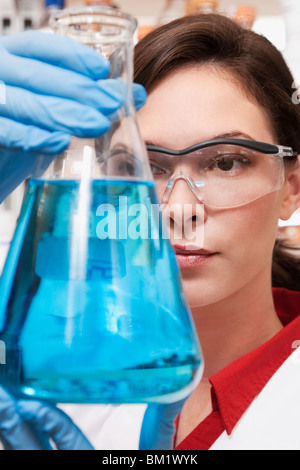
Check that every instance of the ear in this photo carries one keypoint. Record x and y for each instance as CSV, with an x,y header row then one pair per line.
x,y
291,201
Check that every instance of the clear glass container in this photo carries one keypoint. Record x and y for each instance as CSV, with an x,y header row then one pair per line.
x,y
91,304
195,7
245,16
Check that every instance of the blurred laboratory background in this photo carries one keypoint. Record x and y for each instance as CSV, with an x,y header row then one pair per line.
x,y
267,15
278,20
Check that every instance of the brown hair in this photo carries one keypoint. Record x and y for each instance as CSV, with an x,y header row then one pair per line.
x,y
260,69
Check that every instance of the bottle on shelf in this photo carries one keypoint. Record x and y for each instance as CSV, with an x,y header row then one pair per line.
x,y
50,8
245,16
100,2
143,30
7,17
29,14
195,7
54,4
172,10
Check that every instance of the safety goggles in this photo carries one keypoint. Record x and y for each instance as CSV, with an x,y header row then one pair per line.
x,y
221,173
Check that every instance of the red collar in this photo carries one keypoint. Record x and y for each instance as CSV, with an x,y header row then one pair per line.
x,y
236,386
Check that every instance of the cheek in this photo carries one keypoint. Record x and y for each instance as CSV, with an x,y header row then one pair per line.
x,y
252,227
257,221
250,233
245,238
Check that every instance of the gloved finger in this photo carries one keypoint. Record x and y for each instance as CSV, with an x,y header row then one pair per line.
x,y
45,79
26,151
59,51
54,114
119,88
15,433
139,95
55,424
159,426
16,135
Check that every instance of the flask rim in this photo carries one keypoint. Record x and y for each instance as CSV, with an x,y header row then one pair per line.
x,y
110,16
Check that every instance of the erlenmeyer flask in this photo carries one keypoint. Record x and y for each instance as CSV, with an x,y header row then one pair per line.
x,y
92,306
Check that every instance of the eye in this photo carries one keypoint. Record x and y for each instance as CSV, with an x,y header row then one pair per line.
x,y
157,164
124,167
156,169
229,163
225,164
120,162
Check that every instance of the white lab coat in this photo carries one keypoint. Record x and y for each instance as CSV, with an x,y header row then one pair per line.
x,y
109,427
272,420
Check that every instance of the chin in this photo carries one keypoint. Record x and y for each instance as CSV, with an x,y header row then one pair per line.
x,y
197,295
201,291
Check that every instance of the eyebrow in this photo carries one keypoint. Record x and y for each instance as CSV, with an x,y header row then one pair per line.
x,y
227,135
233,135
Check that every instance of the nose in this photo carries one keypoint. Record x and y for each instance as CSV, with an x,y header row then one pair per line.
x,y
195,188
184,211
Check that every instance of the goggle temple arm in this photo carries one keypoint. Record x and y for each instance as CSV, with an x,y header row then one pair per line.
x,y
262,147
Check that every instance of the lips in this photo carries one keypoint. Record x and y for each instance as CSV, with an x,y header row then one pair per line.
x,y
191,250
190,257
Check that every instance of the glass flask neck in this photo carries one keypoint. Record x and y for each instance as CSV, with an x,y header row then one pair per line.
x,y
105,29
110,32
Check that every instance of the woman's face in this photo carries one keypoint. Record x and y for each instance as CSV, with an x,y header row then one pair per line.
x,y
194,105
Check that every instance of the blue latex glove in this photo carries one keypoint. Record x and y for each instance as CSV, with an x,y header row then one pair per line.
x,y
158,428
51,88
30,424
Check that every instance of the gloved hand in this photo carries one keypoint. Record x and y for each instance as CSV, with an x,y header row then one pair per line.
x,y
158,428
30,424
51,88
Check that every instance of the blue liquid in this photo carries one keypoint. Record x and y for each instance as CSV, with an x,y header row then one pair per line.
x,y
91,320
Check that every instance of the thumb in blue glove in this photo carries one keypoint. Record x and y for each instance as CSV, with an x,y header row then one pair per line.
x,y
159,426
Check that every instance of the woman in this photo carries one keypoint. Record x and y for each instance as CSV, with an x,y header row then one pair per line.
x,y
212,83
208,79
